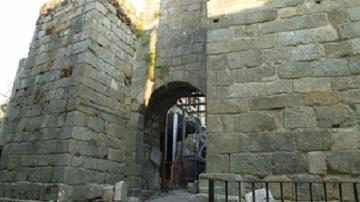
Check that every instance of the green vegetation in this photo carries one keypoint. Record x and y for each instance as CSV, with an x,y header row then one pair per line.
x,y
164,70
157,14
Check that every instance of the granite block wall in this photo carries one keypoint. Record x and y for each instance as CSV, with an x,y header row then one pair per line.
x,y
181,44
281,79
282,89
67,122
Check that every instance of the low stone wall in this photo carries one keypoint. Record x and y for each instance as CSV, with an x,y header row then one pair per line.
x,y
283,89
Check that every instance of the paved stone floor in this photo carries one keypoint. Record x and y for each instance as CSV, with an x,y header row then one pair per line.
x,y
172,196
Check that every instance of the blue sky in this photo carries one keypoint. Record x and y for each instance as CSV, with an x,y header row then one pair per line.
x,y
17,21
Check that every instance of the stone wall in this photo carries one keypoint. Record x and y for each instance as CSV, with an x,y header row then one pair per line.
x,y
281,79
283,88
180,57
67,126
181,44
76,113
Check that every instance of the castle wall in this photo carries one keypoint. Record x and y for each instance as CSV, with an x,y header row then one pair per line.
x,y
67,125
281,79
283,89
181,42
180,67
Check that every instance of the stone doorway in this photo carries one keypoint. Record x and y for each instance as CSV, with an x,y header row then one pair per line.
x,y
174,136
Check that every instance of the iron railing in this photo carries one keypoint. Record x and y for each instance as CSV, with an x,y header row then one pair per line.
x,y
286,190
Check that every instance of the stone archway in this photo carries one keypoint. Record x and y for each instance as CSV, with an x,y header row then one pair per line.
x,y
161,101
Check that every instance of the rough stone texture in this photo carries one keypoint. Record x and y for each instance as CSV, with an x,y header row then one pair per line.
x,y
344,162
317,164
108,193
321,98
334,116
311,140
297,69
181,45
281,79
245,122
67,119
120,192
299,117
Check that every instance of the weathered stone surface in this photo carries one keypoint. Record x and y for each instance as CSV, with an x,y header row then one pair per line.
x,y
120,192
338,16
308,52
312,84
355,43
344,161
349,30
252,89
271,142
228,124
321,98
255,122
234,45
251,164
296,23
285,3
116,155
229,142
279,87
342,83
108,194
299,117
217,62
334,116
253,74
354,13
251,17
330,67
245,59
220,35
294,70
217,163
344,140
287,12
288,163
312,140
317,163
220,78
227,106
275,102
275,73
278,55
350,96
338,49
321,34
246,30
